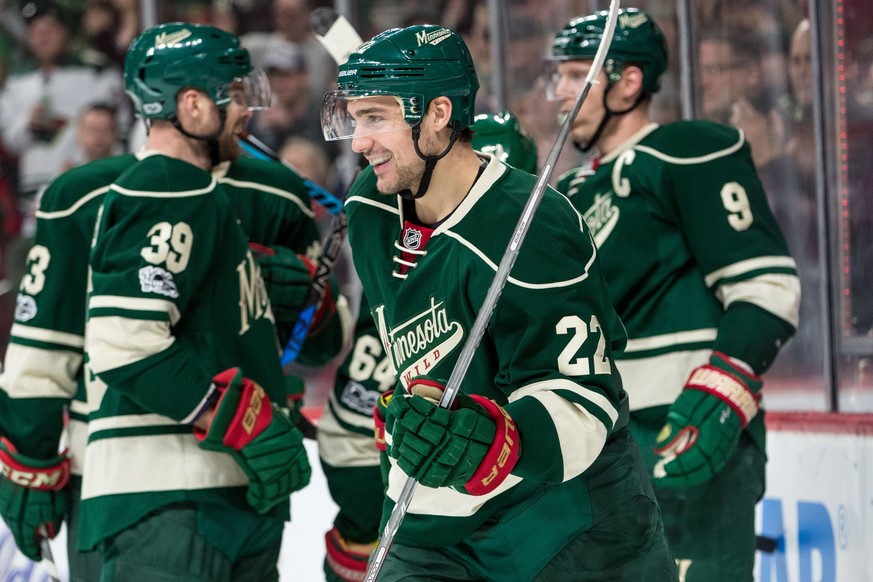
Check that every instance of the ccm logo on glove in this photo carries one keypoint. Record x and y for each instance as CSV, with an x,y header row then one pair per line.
x,y
51,478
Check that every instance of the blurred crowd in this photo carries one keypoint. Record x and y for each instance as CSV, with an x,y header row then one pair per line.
x,y
61,98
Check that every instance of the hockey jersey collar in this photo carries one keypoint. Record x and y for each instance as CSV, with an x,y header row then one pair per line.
x,y
630,142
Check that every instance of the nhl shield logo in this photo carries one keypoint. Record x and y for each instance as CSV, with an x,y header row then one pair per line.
x,y
412,238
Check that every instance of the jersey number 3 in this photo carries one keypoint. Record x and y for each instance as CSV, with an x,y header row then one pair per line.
x,y
571,365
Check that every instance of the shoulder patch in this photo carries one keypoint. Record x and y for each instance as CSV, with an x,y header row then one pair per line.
x,y
157,280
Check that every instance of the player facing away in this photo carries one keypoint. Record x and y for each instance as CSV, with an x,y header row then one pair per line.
x,y
349,455
44,365
189,462
533,474
700,274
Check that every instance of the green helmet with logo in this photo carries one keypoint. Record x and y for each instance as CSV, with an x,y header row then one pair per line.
x,y
637,40
501,134
414,64
168,57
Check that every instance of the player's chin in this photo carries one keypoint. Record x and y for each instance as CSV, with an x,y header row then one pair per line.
x,y
229,150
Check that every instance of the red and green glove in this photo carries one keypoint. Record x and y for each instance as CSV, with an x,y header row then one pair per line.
x,y
288,278
474,445
704,423
260,437
345,561
34,496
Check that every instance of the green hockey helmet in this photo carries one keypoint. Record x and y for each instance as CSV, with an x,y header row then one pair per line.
x,y
414,65
166,58
637,40
501,134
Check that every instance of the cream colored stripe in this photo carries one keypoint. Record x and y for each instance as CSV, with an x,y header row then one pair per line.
x,y
581,435
270,190
658,380
779,294
666,340
129,421
72,209
444,501
77,439
369,202
42,334
138,464
698,160
742,267
178,194
136,304
518,282
547,386
37,373
113,342
339,448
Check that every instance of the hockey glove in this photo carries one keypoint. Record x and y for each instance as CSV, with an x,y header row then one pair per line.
x,y
345,561
704,423
260,437
475,445
33,495
288,278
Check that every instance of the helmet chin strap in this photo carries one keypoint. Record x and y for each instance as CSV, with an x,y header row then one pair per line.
x,y
211,139
585,147
429,161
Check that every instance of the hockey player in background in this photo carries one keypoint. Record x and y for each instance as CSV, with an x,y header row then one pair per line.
x,y
700,275
429,219
348,452
44,363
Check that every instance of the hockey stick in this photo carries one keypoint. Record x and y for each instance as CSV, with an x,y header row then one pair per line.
x,y
338,37
494,291
47,557
258,149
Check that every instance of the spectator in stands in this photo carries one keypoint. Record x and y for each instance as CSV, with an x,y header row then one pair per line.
x,y
294,111
97,135
291,22
39,107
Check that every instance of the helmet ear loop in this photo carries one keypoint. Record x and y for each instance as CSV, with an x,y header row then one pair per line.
x,y
211,139
584,148
429,161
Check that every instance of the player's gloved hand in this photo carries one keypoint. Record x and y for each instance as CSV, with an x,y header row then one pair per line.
x,y
345,561
704,423
475,445
379,413
34,496
288,277
260,437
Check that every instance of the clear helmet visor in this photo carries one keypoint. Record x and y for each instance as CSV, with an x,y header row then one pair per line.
x,y
564,79
345,116
251,91
256,87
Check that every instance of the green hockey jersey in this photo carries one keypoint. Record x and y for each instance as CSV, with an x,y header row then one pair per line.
x,y
43,365
693,256
175,298
346,446
547,352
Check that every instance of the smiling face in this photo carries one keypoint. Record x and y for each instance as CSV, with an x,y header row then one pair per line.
x,y
385,140
238,114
